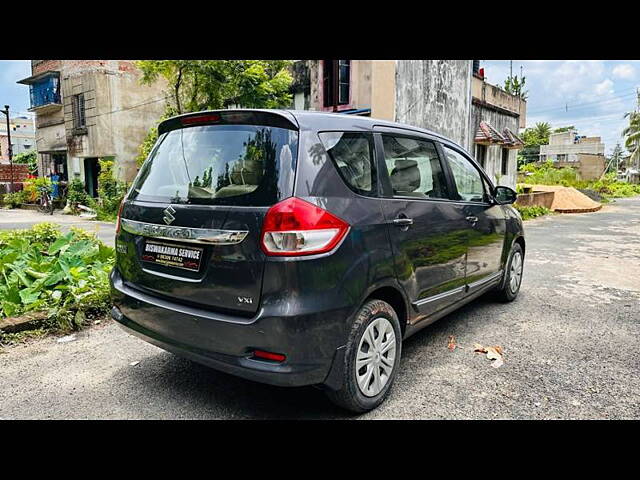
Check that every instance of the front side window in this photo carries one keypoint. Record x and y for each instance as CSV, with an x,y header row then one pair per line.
x,y
414,168
220,165
467,178
352,154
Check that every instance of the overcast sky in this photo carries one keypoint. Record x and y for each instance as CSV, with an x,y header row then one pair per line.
x,y
592,95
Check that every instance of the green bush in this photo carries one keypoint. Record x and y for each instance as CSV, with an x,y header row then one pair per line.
x,y
529,212
15,199
76,194
110,192
29,158
65,275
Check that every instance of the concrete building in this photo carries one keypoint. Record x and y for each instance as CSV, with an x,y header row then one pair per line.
x,y
23,137
496,118
440,95
87,110
432,94
568,149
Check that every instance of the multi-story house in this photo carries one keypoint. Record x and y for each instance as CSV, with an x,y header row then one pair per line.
x,y
22,137
87,110
568,149
444,96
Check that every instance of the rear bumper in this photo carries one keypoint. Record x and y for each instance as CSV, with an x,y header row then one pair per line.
x,y
311,341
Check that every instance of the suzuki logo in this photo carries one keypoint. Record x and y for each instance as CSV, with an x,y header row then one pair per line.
x,y
248,300
168,215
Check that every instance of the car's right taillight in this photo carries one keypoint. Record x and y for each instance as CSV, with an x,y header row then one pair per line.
x,y
295,227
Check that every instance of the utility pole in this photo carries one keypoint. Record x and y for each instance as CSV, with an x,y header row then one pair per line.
x,y
6,112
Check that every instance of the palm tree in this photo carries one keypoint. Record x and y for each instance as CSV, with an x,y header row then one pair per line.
x,y
542,131
632,142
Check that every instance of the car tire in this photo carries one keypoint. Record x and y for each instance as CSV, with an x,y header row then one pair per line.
x,y
513,275
367,376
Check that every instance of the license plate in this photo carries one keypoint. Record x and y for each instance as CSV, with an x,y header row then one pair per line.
x,y
177,256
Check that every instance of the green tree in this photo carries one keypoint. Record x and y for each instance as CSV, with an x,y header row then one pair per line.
x,y
533,137
614,161
515,86
194,85
30,158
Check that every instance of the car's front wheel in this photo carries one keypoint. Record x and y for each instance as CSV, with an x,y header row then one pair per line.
x,y
371,359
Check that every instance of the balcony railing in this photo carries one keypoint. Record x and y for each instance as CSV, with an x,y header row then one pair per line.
x,y
45,92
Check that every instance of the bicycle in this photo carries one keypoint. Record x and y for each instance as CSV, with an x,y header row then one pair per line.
x,y
45,204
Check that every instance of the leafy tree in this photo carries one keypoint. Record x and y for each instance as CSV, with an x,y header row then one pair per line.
x,y
615,159
533,137
514,86
195,85
30,158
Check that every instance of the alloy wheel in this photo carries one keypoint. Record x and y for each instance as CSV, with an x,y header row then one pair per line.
x,y
515,273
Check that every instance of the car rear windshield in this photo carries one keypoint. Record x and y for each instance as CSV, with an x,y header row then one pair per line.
x,y
220,165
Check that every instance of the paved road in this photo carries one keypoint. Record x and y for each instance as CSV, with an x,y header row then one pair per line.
x,y
18,218
571,344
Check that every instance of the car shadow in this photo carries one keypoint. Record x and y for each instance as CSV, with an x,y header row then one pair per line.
x,y
181,388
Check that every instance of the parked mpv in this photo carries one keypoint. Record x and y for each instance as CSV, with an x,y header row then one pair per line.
x,y
301,248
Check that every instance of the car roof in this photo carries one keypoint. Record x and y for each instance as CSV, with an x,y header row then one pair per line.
x,y
317,120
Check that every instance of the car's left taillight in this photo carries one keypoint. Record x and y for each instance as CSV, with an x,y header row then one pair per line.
x,y
295,227
119,215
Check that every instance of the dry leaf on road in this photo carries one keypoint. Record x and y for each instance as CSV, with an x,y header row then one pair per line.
x,y
452,343
493,353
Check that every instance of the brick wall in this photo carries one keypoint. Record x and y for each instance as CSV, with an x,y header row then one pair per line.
x,y
20,173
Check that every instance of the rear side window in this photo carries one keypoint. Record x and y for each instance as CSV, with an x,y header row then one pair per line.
x,y
220,165
414,167
352,154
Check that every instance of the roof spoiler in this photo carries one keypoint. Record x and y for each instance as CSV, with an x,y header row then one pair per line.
x,y
269,118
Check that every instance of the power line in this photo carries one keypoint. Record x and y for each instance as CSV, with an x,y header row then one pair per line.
x,y
579,105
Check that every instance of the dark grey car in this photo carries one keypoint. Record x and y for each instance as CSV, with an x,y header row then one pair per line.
x,y
300,248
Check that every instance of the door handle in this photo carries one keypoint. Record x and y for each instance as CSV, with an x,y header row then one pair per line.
x,y
472,219
403,221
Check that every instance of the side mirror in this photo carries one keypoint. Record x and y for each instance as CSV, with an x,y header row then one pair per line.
x,y
504,195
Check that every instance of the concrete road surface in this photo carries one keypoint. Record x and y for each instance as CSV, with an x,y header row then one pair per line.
x,y
571,348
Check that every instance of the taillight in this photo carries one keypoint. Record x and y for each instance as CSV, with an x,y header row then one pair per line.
x,y
296,227
194,120
276,357
119,215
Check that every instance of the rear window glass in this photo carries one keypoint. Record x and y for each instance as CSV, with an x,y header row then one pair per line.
x,y
352,153
220,165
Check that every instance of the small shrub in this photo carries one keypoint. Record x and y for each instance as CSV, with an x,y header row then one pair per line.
x,y
533,211
111,191
15,199
76,194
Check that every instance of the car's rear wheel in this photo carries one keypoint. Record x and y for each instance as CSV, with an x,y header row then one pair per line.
x,y
513,275
371,359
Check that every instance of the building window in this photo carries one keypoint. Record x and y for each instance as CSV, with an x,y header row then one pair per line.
x,y
336,81
45,91
543,158
78,111
562,157
481,155
505,161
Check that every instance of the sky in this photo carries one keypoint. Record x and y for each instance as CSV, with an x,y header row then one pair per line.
x,y
593,95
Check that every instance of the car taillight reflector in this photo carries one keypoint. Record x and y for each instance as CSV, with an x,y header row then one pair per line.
x,y
210,118
276,357
295,227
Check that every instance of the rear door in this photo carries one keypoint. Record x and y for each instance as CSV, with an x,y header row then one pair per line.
x,y
426,230
486,222
191,223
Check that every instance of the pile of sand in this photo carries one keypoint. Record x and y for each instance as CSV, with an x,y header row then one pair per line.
x,y
568,199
